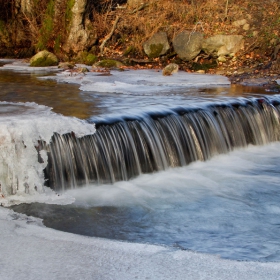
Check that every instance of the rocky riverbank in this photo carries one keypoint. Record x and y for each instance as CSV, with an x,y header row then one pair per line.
x,y
238,39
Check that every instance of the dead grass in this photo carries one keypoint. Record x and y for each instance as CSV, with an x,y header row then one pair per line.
x,y
135,26
209,17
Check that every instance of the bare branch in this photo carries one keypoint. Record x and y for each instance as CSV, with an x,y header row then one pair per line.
x,y
108,37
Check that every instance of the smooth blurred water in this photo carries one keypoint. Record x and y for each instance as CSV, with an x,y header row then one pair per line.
x,y
228,206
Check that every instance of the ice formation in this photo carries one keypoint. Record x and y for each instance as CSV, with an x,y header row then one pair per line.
x,y
21,126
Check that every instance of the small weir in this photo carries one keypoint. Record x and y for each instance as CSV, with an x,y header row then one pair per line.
x,y
123,149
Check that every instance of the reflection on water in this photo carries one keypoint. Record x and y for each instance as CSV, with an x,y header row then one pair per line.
x,y
70,101
63,98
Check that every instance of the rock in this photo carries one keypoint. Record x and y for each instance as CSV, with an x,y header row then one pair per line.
x,y
246,26
86,58
278,81
200,71
82,70
170,69
254,82
223,45
108,63
157,45
188,44
66,65
43,58
239,23
222,58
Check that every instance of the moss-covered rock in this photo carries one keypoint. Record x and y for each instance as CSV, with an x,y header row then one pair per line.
x,y
109,63
43,59
157,45
86,58
155,50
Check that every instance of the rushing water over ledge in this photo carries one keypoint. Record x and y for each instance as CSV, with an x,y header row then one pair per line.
x,y
157,141
226,206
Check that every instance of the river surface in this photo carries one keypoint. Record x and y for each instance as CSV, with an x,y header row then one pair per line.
x,y
228,206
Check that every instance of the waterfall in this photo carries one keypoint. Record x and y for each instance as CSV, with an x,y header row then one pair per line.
x,y
124,149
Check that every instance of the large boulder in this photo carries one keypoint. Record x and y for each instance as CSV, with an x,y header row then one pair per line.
x,y
223,45
43,58
188,44
157,45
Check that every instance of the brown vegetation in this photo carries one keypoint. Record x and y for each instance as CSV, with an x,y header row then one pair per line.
x,y
47,26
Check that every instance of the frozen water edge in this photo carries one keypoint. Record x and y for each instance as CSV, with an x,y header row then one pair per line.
x,y
22,125
139,81
21,66
34,252
125,82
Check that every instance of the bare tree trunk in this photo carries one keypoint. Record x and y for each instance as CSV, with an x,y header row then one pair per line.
x,y
226,9
79,37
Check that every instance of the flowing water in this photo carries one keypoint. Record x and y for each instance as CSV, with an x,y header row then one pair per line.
x,y
194,169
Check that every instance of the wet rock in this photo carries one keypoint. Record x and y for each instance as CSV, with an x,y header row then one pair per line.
x,y
254,82
66,65
223,45
188,44
157,45
170,69
108,63
200,71
43,58
82,70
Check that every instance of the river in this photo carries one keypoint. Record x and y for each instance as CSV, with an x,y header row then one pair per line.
x,y
227,205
